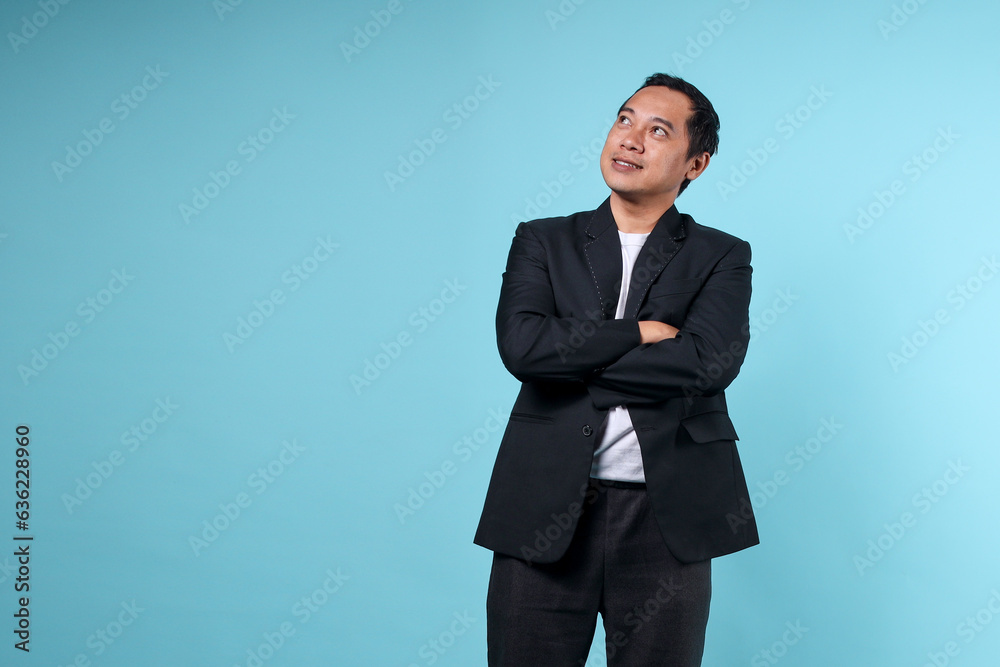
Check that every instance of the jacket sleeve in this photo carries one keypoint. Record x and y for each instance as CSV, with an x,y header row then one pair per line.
x,y
705,355
534,344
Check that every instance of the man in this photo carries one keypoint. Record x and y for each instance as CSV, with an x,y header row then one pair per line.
x,y
617,478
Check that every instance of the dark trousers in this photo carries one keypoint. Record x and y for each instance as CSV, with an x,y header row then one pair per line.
x,y
654,608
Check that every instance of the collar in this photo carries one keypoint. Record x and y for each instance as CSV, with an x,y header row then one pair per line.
x,y
669,224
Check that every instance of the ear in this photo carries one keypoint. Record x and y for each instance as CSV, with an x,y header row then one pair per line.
x,y
697,165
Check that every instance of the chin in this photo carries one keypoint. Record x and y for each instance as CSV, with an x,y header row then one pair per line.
x,y
616,181
623,189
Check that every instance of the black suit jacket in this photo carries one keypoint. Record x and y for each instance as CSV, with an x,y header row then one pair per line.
x,y
557,334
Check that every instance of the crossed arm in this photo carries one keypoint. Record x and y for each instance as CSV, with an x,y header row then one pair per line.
x,y
623,361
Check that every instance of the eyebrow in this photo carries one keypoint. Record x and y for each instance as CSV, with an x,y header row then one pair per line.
x,y
662,121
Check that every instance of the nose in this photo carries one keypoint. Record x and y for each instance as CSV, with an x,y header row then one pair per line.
x,y
631,141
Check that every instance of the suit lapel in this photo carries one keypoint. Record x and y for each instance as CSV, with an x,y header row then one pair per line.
x,y
660,247
604,256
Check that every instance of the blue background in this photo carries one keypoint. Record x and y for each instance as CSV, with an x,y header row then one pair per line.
x,y
871,89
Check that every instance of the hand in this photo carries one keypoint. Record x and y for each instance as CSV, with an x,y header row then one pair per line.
x,y
652,331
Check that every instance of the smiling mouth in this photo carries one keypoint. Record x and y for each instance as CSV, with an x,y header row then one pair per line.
x,y
626,164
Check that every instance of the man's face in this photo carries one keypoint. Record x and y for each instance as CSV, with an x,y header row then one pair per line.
x,y
644,158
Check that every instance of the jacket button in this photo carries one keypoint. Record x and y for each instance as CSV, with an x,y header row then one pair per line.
x,y
587,430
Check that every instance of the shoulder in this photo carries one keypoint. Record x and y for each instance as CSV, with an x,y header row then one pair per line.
x,y
557,226
709,239
551,234
704,233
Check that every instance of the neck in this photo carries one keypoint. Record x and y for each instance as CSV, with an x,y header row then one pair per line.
x,y
634,217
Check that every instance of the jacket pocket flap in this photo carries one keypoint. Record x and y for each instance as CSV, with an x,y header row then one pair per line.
x,y
528,417
709,426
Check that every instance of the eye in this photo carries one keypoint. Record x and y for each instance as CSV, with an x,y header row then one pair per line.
x,y
623,119
660,130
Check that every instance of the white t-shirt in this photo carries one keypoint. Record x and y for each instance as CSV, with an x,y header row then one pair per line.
x,y
617,454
